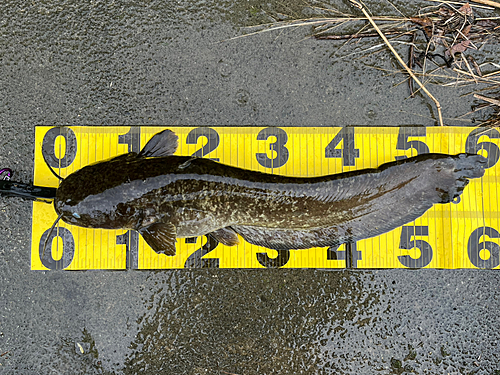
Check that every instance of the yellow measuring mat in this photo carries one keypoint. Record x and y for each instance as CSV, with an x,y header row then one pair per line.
x,y
461,234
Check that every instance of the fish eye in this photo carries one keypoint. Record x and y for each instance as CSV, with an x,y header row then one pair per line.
x,y
76,215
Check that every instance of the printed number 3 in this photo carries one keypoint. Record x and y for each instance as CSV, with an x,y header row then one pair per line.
x,y
278,146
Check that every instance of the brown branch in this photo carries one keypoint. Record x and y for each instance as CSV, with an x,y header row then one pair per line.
x,y
403,64
486,99
488,2
353,36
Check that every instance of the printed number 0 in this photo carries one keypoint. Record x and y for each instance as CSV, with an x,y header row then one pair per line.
x,y
474,248
407,244
68,249
48,147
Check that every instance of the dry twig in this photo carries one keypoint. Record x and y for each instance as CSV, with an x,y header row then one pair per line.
x,y
488,2
403,64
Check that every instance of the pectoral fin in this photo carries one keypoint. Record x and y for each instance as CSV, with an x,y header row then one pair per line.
x,y
226,236
161,237
162,144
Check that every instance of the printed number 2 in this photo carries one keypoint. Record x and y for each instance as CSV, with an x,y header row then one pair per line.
x,y
196,259
406,243
348,153
212,137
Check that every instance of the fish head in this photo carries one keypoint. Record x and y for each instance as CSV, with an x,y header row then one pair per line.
x,y
81,214
94,214
85,199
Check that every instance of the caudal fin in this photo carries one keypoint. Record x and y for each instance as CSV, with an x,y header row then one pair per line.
x,y
467,167
470,166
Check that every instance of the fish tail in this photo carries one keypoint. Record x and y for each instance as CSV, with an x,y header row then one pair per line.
x,y
466,167
470,166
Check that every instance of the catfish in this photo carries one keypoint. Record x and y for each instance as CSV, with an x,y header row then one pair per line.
x,y
165,197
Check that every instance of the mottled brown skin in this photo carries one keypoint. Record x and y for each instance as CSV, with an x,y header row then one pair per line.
x,y
199,196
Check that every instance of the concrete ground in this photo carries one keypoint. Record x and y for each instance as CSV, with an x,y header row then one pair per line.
x,y
171,62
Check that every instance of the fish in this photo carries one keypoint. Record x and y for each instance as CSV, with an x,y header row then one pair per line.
x,y
165,196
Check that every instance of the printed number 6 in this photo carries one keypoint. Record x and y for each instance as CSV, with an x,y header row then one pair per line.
x,y
474,248
472,147
407,244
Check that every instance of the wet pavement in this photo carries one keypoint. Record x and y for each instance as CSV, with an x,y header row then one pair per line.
x,y
152,62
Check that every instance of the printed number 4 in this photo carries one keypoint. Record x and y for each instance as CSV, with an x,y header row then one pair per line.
x,y
349,152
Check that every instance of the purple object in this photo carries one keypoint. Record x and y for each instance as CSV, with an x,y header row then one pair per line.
x,y
8,173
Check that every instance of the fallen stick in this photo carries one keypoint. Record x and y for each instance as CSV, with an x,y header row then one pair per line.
x,y
403,64
352,36
486,99
488,2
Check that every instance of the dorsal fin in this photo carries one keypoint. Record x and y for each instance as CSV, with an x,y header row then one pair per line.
x,y
162,144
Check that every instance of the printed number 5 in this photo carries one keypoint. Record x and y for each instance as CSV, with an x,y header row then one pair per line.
x,y
407,244
403,143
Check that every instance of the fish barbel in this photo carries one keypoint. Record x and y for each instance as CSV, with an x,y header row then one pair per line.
x,y
165,197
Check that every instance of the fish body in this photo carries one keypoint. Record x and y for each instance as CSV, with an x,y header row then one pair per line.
x,y
165,197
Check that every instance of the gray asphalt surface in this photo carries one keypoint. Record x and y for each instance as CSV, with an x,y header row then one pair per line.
x,y
154,62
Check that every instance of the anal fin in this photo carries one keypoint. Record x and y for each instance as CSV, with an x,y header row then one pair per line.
x,y
161,237
226,236
290,239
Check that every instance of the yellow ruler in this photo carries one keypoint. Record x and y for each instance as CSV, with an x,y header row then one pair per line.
x,y
462,234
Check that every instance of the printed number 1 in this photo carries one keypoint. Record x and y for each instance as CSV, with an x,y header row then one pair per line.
x,y
132,139
131,239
